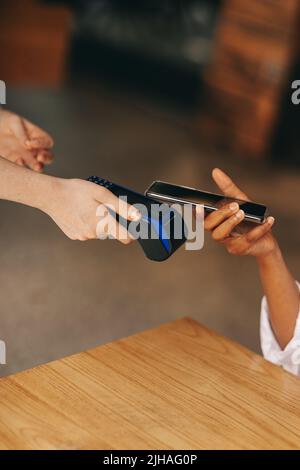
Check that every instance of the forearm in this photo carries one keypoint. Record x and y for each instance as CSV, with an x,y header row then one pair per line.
x,y
282,295
22,185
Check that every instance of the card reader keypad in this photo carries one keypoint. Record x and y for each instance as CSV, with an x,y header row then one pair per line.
x,y
101,181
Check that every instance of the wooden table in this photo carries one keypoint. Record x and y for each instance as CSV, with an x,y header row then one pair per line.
x,y
179,386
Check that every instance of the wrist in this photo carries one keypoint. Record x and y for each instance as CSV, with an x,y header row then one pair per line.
x,y
273,256
51,194
24,186
42,192
21,185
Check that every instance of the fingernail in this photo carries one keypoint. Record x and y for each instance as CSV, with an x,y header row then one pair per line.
x,y
134,214
240,214
234,206
271,220
38,167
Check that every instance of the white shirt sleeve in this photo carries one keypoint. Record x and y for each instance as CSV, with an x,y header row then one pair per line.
x,y
288,358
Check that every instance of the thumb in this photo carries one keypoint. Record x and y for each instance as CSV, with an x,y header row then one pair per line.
x,y
18,128
227,186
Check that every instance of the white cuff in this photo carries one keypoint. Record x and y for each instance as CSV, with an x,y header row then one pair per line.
x,y
289,357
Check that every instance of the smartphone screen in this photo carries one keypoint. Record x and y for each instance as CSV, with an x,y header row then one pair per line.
x,y
172,193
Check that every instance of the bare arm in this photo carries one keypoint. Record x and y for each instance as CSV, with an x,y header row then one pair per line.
x,y
279,286
22,185
282,295
71,203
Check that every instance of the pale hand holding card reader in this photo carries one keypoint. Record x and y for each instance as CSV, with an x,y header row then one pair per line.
x,y
161,246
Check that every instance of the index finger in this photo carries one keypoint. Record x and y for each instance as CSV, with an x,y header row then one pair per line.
x,y
37,137
217,217
43,142
17,126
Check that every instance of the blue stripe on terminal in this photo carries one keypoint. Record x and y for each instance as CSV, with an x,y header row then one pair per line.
x,y
161,232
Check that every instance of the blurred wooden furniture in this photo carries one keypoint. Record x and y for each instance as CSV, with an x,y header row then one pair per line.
x,y
179,386
255,49
34,41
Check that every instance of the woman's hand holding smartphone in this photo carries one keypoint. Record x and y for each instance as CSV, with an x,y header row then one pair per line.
x,y
172,193
230,217
223,223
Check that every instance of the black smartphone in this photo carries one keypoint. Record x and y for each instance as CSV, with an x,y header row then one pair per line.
x,y
172,193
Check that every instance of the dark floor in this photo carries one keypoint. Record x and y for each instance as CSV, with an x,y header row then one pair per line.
x,y
59,297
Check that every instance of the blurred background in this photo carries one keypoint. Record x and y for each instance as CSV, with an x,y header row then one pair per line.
x,y
136,91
